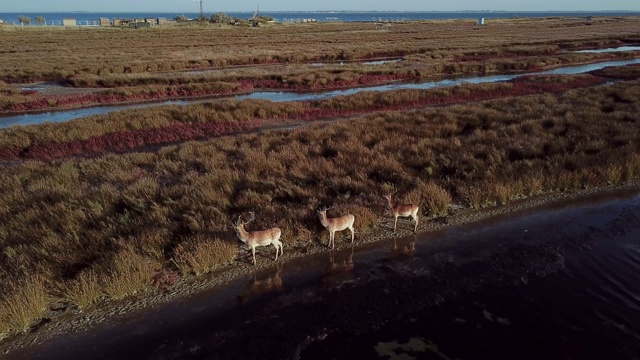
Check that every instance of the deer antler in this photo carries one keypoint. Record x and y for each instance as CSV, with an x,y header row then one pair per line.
x,y
253,217
240,222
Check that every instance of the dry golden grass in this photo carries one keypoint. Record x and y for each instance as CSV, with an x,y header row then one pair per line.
x,y
44,53
200,254
83,291
23,305
129,274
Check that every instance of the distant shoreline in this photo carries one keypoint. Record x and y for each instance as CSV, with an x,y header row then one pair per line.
x,y
334,15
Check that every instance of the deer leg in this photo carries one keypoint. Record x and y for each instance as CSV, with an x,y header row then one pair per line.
x,y
281,246
253,251
353,232
395,223
415,217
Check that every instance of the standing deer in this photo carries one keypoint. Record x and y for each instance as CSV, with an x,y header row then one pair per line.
x,y
336,224
402,210
254,239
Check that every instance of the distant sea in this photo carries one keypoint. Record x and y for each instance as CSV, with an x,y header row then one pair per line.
x,y
88,18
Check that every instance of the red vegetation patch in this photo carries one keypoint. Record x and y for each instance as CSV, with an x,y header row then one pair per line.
x,y
485,57
130,139
165,279
10,153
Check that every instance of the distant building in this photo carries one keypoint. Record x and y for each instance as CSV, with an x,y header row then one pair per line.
x,y
105,21
118,22
139,25
162,21
69,22
151,21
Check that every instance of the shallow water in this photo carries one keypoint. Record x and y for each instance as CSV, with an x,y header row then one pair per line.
x,y
280,96
618,49
590,309
553,282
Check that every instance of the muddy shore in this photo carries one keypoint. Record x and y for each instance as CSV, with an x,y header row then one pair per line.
x,y
63,320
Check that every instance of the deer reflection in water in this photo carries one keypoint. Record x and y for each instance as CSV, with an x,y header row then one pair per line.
x,y
265,285
404,249
338,272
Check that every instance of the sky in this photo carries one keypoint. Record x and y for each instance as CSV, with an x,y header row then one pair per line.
x,y
213,6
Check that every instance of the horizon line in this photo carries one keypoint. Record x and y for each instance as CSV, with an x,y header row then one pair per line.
x,y
320,11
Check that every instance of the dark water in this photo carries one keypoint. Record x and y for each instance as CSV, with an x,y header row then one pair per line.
x,y
558,282
282,96
55,18
590,309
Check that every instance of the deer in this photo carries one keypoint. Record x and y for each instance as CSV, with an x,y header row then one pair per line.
x,y
254,239
336,224
402,210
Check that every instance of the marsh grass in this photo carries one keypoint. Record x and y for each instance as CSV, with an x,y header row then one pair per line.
x,y
202,48
84,291
201,254
435,199
23,305
129,273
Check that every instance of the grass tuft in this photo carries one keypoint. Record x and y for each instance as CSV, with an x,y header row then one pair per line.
x,y
200,254
24,306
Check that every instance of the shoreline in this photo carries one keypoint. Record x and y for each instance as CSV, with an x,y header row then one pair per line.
x,y
67,320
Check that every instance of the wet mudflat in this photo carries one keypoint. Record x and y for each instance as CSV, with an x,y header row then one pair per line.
x,y
559,281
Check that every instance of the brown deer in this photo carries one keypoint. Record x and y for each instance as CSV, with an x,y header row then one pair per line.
x,y
336,224
254,239
402,210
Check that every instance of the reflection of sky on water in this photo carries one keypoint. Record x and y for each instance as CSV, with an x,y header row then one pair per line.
x,y
618,49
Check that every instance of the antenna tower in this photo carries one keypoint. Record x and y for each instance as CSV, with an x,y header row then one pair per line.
x,y
201,9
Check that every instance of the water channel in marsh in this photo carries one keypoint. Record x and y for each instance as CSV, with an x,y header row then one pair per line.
x,y
282,96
